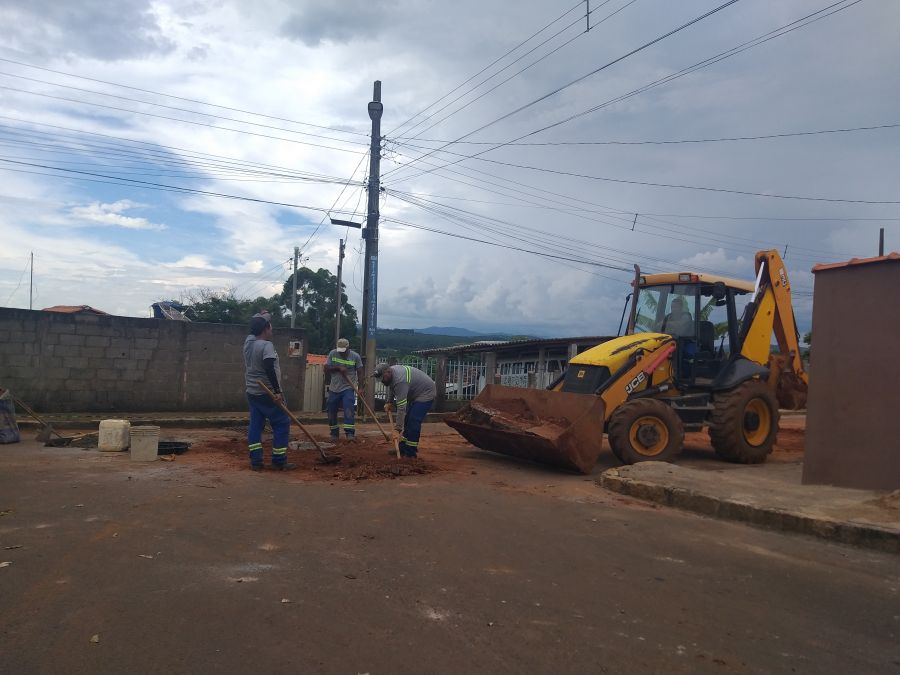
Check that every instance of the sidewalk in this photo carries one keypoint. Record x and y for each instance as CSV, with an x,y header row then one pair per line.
x,y
767,495
182,420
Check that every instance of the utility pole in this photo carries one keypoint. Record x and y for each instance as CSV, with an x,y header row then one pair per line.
x,y
337,300
370,234
881,241
294,294
31,281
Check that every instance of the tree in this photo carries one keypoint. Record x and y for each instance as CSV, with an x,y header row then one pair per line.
x,y
208,305
316,308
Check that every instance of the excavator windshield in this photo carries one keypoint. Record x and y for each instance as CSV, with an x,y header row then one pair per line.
x,y
667,308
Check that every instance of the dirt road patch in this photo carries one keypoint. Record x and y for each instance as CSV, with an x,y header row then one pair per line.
x,y
366,458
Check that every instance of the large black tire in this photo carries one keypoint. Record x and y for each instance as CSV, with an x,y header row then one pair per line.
x,y
744,423
645,429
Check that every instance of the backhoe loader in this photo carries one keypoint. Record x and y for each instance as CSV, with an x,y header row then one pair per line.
x,y
685,362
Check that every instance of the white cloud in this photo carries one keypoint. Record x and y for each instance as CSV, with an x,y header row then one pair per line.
x,y
112,214
237,54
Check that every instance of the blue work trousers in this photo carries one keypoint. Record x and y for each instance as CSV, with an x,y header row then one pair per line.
x,y
343,399
412,428
263,408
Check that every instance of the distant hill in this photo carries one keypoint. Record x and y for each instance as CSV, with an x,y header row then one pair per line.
x,y
448,330
403,341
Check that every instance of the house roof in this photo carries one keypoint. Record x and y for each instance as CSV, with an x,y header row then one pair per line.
x,y
494,345
856,261
74,309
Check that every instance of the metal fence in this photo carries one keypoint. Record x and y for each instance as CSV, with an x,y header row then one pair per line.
x,y
464,380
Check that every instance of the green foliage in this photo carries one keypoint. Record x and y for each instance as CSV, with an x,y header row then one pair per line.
x,y
807,338
211,306
316,309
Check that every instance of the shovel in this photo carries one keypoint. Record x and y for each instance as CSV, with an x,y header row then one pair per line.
x,y
393,434
46,429
324,459
371,412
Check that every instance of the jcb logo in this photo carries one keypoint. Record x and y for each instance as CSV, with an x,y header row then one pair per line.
x,y
784,281
635,383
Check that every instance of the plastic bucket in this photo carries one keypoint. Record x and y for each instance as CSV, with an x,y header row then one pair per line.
x,y
144,443
114,435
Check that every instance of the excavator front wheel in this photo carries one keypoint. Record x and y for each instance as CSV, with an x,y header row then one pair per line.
x,y
744,423
645,429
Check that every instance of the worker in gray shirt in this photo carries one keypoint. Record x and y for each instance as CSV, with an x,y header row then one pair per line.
x,y
344,366
414,392
261,363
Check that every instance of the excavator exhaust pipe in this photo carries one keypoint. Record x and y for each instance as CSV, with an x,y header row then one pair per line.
x,y
557,428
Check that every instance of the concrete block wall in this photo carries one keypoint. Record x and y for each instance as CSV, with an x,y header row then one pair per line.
x,y
85,363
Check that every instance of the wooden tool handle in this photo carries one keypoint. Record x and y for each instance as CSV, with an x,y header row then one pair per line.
x,y
366,404
281,405
393,434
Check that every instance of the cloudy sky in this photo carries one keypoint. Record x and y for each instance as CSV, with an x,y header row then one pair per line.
x,y
149,148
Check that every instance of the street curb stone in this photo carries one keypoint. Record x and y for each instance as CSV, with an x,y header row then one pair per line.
x,y
844,532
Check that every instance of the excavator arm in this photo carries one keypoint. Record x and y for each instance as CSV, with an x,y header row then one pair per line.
x,y
771,311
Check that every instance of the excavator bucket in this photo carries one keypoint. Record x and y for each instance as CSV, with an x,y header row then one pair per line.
x,y
557,428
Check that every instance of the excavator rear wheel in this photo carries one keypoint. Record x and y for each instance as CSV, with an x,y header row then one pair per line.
x,y
645,429
744,423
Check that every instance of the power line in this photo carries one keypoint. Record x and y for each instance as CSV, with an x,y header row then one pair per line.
x,y
593,72
494,62
178,119
157,186
521,70
118,143
506,246
672,142
608,179
18,285
181,98
771,35
610,212
176,108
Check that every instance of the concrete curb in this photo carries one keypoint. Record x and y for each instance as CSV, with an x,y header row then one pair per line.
x,y
213,421
843,532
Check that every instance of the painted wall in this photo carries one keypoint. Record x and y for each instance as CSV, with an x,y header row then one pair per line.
x,y
852,424
82,363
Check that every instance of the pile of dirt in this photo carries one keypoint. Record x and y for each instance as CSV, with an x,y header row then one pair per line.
x,y
366,458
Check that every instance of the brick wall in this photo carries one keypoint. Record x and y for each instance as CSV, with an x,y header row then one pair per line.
x,y
84,363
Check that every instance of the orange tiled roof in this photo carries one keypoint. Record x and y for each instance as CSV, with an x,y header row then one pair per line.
x,y
74,309
856,261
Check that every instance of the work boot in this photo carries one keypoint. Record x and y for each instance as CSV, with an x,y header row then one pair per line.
x,y
287,466
256,467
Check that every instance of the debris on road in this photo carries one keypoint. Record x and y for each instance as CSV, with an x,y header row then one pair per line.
x,y
5,564
95,639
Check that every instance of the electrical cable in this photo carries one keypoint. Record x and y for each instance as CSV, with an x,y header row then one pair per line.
x,y
778,32
594,72
184,121
181,98
494,62
176,108
673,142
522,70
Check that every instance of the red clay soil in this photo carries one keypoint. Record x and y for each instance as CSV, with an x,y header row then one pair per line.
x,y
443,451
363,459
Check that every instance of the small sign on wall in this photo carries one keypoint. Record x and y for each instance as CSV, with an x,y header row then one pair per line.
x,y
295,349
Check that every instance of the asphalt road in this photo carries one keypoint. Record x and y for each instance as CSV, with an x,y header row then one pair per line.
x,y
184,570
